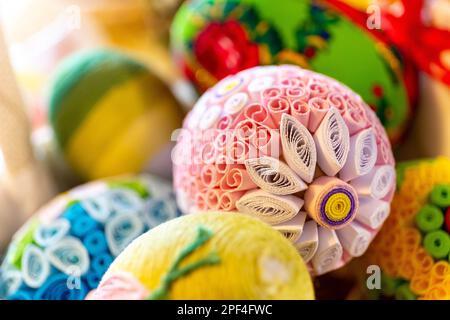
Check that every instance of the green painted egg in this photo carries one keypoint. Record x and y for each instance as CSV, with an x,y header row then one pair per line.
x,y
212,39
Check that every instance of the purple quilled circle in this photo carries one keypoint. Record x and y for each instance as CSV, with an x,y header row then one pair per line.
x,y
351,213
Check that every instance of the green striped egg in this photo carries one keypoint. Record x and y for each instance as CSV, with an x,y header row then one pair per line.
x,y
110,114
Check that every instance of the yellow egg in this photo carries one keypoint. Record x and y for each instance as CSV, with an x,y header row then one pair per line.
x,y
232,257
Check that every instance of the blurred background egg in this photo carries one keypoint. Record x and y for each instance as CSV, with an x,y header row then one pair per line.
x,y
64,249
213,39
111,115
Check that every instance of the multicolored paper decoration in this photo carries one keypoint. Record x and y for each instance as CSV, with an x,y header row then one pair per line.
x,y
272,140
413,248
207,256
422,31
63,252
110,114
214,39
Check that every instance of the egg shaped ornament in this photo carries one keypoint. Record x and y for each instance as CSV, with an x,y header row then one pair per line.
x,y
64,250
413,248
214,39
295,149
111,115
208,256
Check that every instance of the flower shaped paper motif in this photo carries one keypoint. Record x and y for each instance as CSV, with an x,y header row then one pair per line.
x,y
295,149
225,48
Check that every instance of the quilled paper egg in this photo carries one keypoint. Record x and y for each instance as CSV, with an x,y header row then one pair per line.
x,y
413,248
110,114
64,250
294,148
213,39
208,256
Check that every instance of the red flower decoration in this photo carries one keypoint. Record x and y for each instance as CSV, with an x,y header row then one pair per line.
x,y
378,91
225,48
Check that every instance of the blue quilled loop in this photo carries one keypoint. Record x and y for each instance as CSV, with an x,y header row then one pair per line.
x,y
48,234
95,243
10,282
35,266
121,230
74,211
98,208
93,279
101,263
68,253
124,201
58,287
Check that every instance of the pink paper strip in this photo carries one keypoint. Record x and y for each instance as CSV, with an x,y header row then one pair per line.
x,y
237,180
210,177
277,107
228,200
319,108
300,110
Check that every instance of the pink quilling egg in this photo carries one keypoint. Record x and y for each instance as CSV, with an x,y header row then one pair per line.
x,y
296,149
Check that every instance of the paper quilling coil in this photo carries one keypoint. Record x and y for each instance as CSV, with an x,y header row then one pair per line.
x,y
289,145
299,147
331,202
372,212
362,155
274,176
268,207
377,184
300,110
64,250
333,143
329,252
308,242
355,239
292,229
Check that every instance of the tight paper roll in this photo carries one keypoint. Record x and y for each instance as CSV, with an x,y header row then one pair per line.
x,y
331,202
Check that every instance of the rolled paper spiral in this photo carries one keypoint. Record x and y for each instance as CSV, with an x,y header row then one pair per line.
x,y
165,263
333,202
413,247
276,161
63,252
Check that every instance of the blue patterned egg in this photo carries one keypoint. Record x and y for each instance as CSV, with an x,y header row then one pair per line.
x,y
64,250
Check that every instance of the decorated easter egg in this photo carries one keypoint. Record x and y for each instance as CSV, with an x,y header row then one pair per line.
x,y
110,114
413,248
294,148
208,256
213,39
64,250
